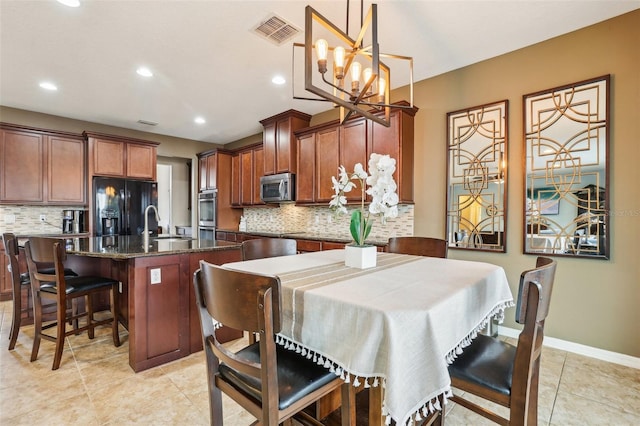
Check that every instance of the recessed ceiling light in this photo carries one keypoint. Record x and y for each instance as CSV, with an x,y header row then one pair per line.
x,y
48,86
199,120
279,80
144,71
70,3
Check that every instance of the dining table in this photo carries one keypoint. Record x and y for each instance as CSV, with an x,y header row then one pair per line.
x,y
393,328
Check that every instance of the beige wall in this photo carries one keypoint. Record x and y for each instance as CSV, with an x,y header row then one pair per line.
x,y
595,302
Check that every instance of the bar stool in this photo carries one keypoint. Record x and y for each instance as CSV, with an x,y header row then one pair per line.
x,y
18,282
61,289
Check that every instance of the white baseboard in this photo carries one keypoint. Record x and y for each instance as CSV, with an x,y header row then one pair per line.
x,y
576,348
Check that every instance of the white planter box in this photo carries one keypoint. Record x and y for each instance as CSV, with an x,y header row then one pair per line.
x,y
360,257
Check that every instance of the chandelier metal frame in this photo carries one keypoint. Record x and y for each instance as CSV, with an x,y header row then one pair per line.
x,y
364,102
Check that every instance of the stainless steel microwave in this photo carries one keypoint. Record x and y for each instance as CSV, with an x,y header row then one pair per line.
x,y
278,188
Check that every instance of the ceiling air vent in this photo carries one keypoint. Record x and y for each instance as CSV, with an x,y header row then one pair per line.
x,y
276,30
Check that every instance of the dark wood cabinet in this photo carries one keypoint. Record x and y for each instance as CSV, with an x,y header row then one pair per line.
x,y
353,150
331,145
66,183
305,181
397,141
279,141
235,180
141,161
246,178
246,169
327,162
121,157
22,166
258,172
42,167
207,166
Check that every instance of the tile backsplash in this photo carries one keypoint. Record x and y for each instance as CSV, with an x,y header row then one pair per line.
x,y
322,220
22,220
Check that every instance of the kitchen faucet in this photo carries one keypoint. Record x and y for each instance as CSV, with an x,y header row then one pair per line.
x,y
145,233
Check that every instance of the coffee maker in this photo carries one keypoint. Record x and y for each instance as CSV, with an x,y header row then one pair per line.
x,y
74,221
67,221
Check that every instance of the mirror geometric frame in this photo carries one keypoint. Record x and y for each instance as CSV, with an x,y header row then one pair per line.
x,y
477,140
566,134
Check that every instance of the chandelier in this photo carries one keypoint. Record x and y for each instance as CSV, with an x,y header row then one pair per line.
x,y
348,72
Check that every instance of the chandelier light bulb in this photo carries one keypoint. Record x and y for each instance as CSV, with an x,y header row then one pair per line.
x,y
366,76
355,77
322,49
338,60
382,83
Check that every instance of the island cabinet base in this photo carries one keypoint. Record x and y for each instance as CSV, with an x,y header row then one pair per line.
x,y
157,302
163,321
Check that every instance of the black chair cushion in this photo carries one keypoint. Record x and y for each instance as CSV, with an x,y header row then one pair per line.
x,y
77,284
297,375
25,279
487,362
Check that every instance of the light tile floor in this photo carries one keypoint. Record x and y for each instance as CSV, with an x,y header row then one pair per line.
x,y
96,386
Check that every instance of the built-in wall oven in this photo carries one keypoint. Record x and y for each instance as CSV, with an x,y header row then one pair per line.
x,y
207,215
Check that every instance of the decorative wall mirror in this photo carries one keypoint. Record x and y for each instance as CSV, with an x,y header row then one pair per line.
x,y
566,132
477,177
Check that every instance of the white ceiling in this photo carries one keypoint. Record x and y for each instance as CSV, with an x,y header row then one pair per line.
x,y
208,62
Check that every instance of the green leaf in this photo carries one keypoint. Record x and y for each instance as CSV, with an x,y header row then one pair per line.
x,y
360,228
355,226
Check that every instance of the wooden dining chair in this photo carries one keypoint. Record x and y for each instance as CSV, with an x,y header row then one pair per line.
x,y
500,372
418,246
261,248
55,286
272,383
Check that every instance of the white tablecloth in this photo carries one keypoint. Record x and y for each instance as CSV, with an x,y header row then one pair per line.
x,y
400,323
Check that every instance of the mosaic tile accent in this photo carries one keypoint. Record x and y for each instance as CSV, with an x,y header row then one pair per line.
x,y
22,220
289,218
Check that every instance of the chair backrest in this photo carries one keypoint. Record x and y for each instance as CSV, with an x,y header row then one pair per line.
x,y
243,301
419,246
542,278
268,247
534,294
11,250
48,251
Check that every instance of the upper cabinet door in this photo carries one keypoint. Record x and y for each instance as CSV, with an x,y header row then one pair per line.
x,y
22,165
108,157
353,150
327,162
286,147
122,157
269,144
306,174
141,161
397,142
279,141
66,170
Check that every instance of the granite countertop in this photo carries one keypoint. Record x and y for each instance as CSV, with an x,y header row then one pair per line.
x,y
317,236
129,246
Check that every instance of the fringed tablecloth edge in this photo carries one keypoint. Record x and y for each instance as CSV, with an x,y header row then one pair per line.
x,y
497,311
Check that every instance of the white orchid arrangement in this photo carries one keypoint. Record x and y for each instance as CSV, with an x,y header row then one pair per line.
x,y
382,189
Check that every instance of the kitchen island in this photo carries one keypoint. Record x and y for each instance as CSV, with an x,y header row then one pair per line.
x,y
155,298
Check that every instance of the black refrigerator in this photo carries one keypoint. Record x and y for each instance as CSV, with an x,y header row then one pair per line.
x,y
120,206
